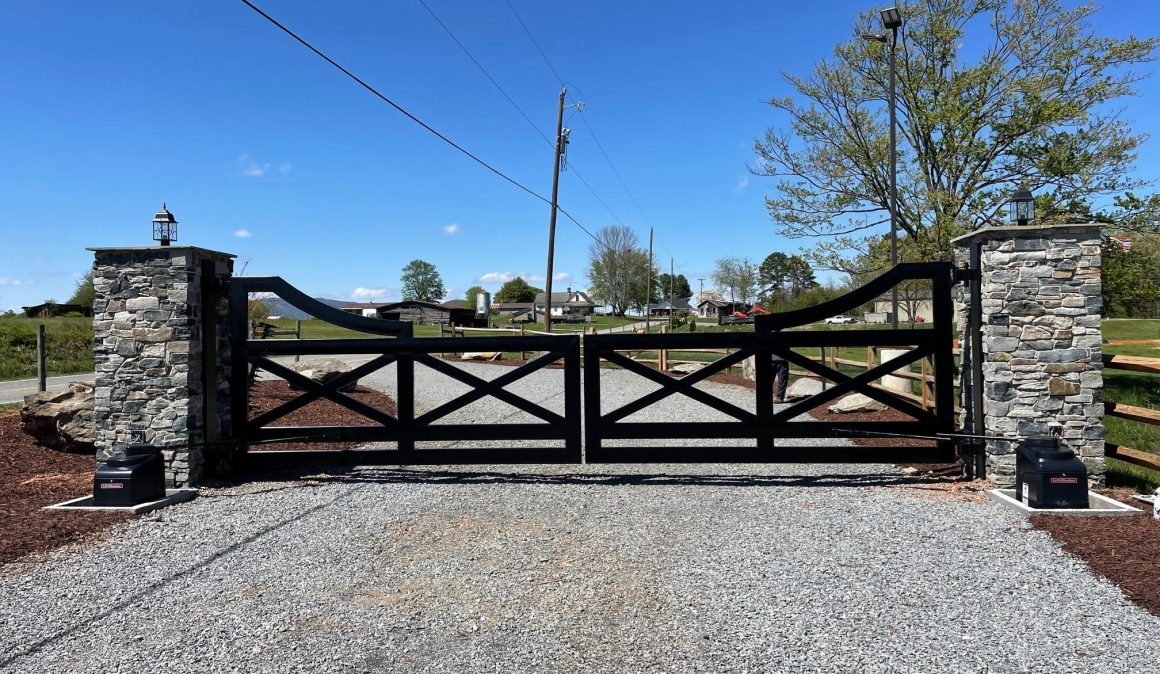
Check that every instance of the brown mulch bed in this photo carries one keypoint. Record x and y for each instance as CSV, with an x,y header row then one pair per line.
x,y
1125,550
266,395
32,477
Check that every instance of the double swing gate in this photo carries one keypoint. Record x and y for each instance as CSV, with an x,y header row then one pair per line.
x,y
768,433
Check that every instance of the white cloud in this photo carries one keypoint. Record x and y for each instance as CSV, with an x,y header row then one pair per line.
x,y
252,168
369,293
248,167
496,277
242,233
505,276
451,229
741,184
557,276
14,282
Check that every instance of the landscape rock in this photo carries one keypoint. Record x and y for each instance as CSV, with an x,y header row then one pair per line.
x,y
63,420
803,388
748,369
686,368
480,355
323,370
856,402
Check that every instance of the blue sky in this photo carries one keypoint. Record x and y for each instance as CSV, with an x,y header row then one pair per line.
x,y
262,150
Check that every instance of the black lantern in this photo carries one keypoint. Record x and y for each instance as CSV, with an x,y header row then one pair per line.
x,y
1022,207
164,226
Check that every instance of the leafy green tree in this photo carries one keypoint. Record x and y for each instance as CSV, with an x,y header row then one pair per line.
x,y
257,310
618,270
421,281
1131,278
84,293
736,278
1035,109
516,290
471,293
681,287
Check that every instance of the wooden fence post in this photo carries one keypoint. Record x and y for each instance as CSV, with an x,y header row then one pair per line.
x,y
41,370
297,335
663,354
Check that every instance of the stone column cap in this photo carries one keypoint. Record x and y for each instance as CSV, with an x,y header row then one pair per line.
x,y
204,252
1007,231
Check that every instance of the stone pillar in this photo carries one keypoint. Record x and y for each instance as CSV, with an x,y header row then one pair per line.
x,y
1042,371
161,353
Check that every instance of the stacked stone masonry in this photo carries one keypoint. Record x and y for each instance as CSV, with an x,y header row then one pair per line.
x,y
1042,369
148,350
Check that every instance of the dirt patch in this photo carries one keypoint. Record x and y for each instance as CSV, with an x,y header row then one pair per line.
x,y
266,395
1125,550
32,477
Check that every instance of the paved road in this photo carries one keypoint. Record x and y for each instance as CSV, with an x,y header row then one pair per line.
x,y
14,391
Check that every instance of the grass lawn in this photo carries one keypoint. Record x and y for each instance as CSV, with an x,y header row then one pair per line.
x,y
1132,388
68,348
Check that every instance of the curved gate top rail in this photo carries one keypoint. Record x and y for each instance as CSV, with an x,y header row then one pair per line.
x,y
766,425
402,349
242,286
937,272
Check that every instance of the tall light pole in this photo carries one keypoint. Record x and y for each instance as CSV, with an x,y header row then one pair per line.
x,y
892,21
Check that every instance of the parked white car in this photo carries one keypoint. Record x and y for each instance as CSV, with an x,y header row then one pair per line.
x,y
841,320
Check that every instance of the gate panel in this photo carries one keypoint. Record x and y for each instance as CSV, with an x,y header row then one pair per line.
x,y
773,430
403,428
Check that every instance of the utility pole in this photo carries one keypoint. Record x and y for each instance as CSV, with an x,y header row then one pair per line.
x,y
893,172
649,288
700,295
552,220
671,294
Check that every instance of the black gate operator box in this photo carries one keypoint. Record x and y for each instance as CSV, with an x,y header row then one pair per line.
x,y
134,476
1049,477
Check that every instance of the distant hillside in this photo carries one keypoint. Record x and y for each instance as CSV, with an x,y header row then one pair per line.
x,y
280,307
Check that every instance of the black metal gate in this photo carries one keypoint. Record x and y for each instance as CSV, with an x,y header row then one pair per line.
x,y
767,427
400,348
772,430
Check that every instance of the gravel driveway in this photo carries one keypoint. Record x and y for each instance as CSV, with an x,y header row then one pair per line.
x,y
666,568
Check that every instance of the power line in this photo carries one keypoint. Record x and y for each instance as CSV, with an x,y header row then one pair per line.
x,y
485,73
583,117
512,101
393,104
415,119
533,39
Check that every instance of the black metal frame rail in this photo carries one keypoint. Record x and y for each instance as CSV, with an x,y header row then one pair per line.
x,y
404,428
766,426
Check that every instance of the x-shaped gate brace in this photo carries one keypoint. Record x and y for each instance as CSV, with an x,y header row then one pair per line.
x,y
859,383
669,386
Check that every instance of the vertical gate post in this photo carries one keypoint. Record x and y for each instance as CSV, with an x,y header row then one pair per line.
x,y
1038,308
592,436
160,350
574,430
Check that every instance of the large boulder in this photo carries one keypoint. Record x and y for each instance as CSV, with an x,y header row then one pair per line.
x,y
803,387
322,370
686,368
62,420
856,402
749,369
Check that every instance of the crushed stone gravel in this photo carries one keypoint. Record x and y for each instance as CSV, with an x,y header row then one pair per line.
x,y
564,568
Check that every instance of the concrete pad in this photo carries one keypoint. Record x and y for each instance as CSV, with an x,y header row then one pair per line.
x,y
172,496
1098,504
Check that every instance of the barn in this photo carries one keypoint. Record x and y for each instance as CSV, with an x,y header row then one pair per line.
x,y
429,313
